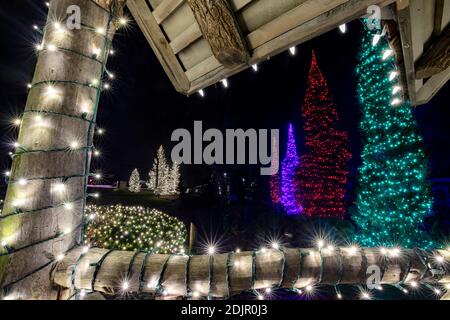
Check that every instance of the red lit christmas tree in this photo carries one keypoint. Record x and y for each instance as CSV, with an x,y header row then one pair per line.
x,y
322,176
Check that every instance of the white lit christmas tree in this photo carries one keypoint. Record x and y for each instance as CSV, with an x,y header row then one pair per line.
x,y
159,176
174,179
134,185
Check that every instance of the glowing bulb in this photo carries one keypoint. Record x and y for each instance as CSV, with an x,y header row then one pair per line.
x,y
260,297
437,291
379,288
111,75
263,249
393,75
60,257
225,83
74,145
85,249
405,291
343,28
68,206
196,294
96,51
309,288
57,25
16,144
29,86
125,286
59,187
98,176
268,290
352,249
255,67
201,93
330,248
106,86
275,245
414,284
112,52
51,91
35,27
387,53
395,102
396,89
94,82
96,195
292,50
39,46
17,122
100,131
7,173
394,252
51,47
376,39
440,259
123,21
238,250
100,31
23,182
96,153
365,295
339,296
383,251
4,243
82,293
320,244
211,250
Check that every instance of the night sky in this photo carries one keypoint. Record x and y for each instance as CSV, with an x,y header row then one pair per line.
x,y
143,108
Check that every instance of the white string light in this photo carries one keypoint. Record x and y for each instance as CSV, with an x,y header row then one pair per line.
x,y
343,28
225,83
387,53
396,102
376,39
211,250
275,245
255,67
396,89
201,93
393,75
292,50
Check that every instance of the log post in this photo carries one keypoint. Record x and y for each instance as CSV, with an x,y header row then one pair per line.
x,y
192,237
221,275
43,213
220,29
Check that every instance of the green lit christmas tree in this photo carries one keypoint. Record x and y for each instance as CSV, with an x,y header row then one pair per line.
x,y
393,196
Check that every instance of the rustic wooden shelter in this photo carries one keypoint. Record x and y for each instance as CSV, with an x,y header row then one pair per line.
x,y
198,42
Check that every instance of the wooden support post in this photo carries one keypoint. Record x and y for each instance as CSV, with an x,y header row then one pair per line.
x,y
236,272
192,237
43,212
437,58
220,29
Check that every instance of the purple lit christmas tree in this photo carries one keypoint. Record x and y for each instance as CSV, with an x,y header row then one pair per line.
x,y
289,167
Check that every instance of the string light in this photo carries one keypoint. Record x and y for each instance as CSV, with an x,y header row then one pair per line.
x,y
396,89
106,86
263,249
387,53
211,250
201,93
51,47
125,285
7,173
68,206
60,257
339,296
376,39
59,187
396,102
393,75
225,83
23,181
320,243
275,245
238,250
74,145
100,31
255,67
268,290
343,28
292,50
196,294
96,153
17,122
123,21
309,288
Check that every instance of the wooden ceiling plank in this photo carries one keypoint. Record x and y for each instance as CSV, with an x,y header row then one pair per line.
x,y
165,9
404,26
203,68
187,37
291,19
239,4
438,16
432,86
437,58
147,23
348,11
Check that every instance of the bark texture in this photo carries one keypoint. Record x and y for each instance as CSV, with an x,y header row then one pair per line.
x,y
232,273
35,236
220,29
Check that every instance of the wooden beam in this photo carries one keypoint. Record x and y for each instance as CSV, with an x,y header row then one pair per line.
x,y
438,16
165,9
350,10
235,272
220,29
239,4
404,26
291,19
437,58
432,86
187,37
147,23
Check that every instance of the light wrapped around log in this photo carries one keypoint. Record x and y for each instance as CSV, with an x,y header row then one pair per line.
x,y
219,27
222,275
